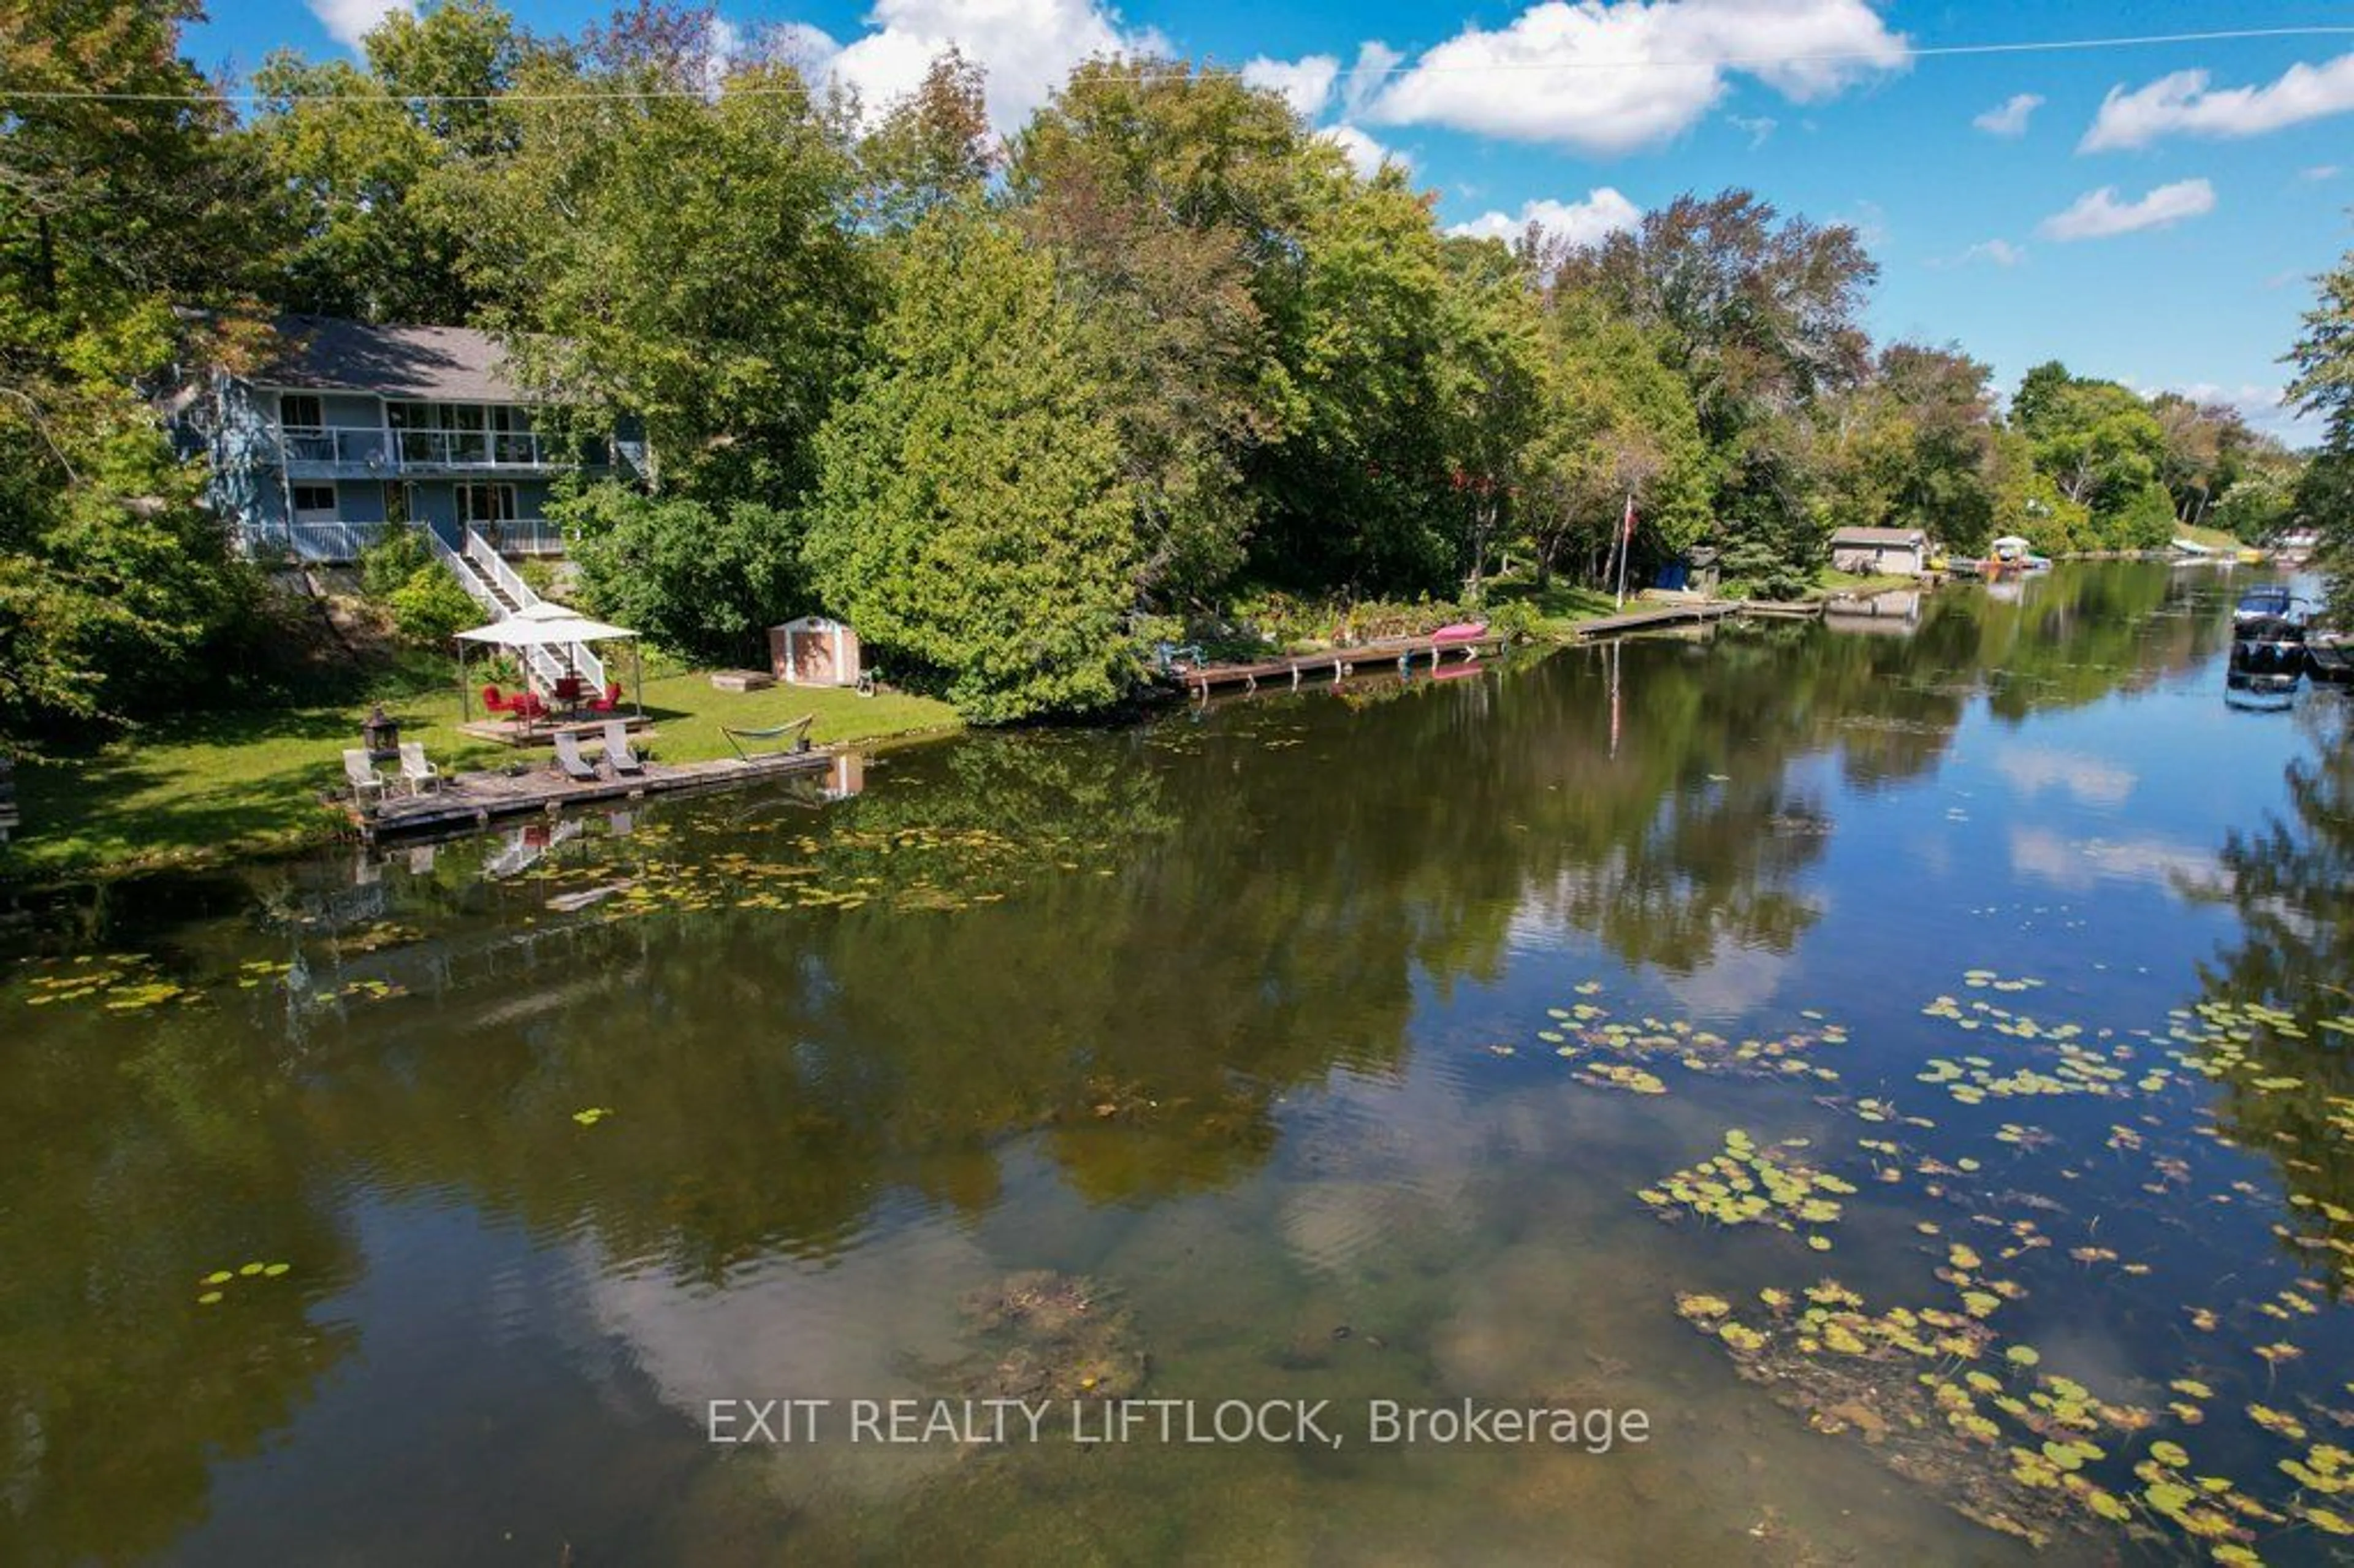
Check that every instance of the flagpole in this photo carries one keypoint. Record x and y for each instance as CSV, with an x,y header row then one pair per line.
x,y
1625,538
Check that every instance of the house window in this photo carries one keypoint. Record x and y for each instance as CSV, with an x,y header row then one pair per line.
x,y
491,503
301,411
314,503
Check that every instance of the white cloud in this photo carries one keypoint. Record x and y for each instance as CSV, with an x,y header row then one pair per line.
x,y
2099,215
351,20
809,49
1306,84
1609,76
2094,781
1375,60
1027,47
2182,103
1994,252
2011,116
1759,130
2319,173
1366,154
1603,213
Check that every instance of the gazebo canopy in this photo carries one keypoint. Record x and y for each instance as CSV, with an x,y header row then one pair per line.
x,y
537,625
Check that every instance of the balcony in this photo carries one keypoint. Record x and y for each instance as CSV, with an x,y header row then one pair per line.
x,y
365,453
339,542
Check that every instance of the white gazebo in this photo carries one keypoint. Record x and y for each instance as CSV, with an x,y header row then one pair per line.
x,y
550,625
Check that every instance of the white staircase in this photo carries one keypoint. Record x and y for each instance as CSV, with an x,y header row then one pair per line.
x,y
490,582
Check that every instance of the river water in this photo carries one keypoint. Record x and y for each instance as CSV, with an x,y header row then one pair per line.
x,y
1904,1061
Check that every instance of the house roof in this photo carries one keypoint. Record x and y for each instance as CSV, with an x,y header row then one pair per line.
x,y
1880,536
328,354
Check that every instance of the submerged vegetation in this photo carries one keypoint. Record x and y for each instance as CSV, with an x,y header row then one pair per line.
x,y
1148,1058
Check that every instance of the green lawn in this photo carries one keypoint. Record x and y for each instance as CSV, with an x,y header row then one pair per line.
x,y
1561,605
2213,538
1833,581
217,786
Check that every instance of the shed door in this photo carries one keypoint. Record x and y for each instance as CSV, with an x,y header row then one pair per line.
x,y
812,655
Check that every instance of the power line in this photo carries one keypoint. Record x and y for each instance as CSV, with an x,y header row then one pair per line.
x,y
1901,54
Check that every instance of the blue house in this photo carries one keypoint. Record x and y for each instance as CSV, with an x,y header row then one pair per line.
x,y
352,430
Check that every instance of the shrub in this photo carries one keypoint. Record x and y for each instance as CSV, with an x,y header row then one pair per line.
x,y
431,607
387,566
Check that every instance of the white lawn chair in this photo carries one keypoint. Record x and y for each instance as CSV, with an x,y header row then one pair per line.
x,y
617,755
420,774
361,775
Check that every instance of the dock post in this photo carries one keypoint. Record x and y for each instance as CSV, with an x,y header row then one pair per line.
x,y
1295,677
1251,682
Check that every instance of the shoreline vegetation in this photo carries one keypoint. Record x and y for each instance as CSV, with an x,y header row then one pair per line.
x,y
206,788
209,788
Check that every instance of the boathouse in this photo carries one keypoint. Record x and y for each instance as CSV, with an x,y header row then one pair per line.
x,y
1876,551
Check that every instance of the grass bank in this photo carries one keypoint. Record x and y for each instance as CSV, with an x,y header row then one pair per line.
x,y
213,787
1838,582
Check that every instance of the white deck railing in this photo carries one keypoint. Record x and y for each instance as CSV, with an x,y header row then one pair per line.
x,y
379,450
520,595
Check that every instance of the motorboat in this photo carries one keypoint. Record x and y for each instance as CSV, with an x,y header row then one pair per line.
x,y
2012,553
2268,633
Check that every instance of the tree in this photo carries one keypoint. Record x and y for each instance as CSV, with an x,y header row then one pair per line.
x,y
933,147
656,253
1174,198
114,212
1915,448
2324,359
1758,314
2101,447
704,578
1359,495
1617,424
972,519
1490,395
357,159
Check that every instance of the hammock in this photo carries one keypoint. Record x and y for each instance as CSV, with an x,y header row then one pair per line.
x,y
798,729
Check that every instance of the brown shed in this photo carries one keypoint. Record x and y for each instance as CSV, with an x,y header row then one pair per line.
x,y
815,651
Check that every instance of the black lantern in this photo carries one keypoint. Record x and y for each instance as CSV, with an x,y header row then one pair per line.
x,y
381,735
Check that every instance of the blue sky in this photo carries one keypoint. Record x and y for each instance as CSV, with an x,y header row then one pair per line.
x,y
2223,194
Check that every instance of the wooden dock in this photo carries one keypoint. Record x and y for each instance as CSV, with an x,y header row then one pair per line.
x,y
468,801
1336,664
1650,616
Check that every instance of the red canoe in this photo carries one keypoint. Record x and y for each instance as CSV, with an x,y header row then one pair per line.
x,y
1461,631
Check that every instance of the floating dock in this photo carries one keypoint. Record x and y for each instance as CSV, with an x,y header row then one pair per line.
x,y
1337,664
468,801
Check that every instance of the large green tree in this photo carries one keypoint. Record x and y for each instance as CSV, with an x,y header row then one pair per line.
x,y
2324,359
1174,197
1760,314
359,159
1617,425
1915,447
116,212
657,252
974,522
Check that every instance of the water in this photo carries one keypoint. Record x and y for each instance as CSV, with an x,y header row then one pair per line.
x,y
1225,1037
